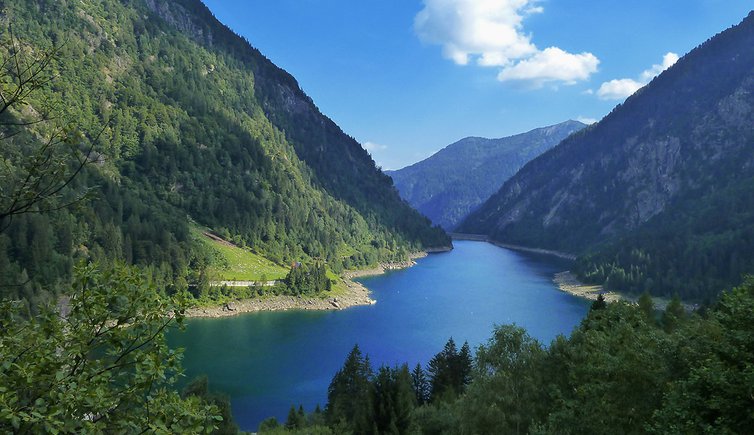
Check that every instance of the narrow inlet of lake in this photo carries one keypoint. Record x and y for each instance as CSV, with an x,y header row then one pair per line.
x,y
268,361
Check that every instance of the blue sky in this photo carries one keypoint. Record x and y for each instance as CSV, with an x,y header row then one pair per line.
x,y
408,77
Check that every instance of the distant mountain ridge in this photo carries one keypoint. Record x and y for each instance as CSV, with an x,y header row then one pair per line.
x,y
457,179
659,193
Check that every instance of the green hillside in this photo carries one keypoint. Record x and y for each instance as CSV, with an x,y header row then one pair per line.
x,y
186,120
656,196
233,263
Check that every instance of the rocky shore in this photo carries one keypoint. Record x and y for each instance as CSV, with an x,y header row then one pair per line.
x,y
567,282
357,294
484,238
560,254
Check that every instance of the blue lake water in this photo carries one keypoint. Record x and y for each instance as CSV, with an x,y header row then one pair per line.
x,y
268,361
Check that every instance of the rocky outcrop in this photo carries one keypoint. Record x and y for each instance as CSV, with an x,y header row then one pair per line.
x,y
178,17
686,133
357,295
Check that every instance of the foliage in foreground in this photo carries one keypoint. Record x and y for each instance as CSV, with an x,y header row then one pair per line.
x,y
100,365
621,371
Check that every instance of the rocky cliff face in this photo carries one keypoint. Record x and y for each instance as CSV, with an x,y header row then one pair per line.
x,y
454,181
688,132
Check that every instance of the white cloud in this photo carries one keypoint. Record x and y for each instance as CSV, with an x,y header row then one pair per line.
x,y
619,89
490,33
372,147
552,64
668,60
586,120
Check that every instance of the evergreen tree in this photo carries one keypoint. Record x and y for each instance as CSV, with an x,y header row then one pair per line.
x,y
647,306
420,384
296,419
673,315
393,399
464,366
599,303
349,398
317,417
449,371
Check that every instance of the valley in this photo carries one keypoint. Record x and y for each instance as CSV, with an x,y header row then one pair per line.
x,y
197,235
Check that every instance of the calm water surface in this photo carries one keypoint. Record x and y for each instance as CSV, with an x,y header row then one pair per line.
x,y
267,361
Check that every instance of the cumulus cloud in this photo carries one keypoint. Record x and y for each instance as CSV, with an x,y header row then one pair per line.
x,y
490,33
619,89
552,64
372,147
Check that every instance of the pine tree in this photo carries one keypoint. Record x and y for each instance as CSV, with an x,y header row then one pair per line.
x,y
394,400
464,366
295,420
673,315
599,303
349,394
441,373
316,418
647,306
420,384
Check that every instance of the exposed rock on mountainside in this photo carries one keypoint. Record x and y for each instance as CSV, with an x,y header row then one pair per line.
x,y
649,171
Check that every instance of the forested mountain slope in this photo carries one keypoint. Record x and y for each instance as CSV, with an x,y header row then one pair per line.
x,y
659,192
188,122
453,182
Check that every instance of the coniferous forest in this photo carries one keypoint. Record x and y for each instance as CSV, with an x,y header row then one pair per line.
x,y
132,129
179,125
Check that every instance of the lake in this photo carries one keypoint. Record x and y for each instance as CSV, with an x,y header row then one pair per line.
x,y
267,361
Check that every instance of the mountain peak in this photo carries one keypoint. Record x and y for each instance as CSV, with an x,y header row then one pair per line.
x,y
454,181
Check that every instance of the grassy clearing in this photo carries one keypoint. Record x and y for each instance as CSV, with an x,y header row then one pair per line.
x,y
238,264
339,287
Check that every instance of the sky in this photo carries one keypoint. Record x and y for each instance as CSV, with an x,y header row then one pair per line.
x,y
409,77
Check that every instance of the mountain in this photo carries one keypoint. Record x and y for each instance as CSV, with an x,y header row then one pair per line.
x,y
657,195
454,181
191,126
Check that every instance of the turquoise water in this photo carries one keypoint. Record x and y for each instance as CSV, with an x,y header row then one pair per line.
x,y
267,361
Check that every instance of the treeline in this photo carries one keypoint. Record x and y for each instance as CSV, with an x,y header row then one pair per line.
x,y
625,369
301,280
360,400
704,244
307,280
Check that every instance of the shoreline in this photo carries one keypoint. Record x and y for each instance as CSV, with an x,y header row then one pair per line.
x,y
568,283
357,294
484,238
